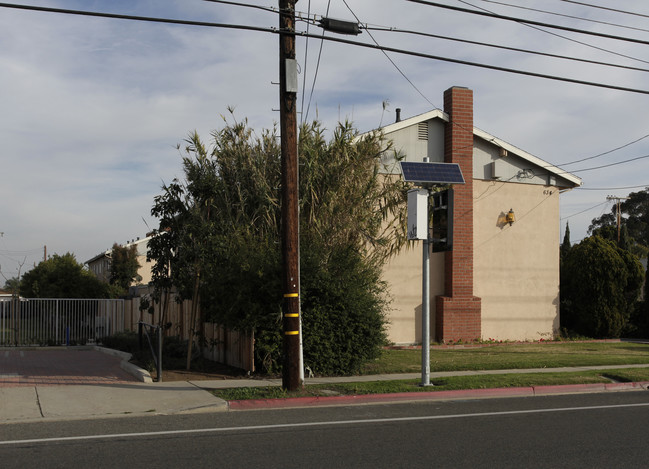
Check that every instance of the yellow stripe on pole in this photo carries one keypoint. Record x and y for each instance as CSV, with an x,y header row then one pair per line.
x,y
291,295
292,315
291,332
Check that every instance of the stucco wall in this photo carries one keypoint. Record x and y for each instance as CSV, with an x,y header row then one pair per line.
x,y
516,270
145,270
404,276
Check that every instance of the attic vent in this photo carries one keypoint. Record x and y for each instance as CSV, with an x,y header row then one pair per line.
x,y
422,131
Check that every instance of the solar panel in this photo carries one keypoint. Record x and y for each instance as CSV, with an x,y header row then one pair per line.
x,y
432,173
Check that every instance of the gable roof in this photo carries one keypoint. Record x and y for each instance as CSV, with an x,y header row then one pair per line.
x,y
439,114
107,253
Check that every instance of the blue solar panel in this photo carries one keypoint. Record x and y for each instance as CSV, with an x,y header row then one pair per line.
x,y
432,173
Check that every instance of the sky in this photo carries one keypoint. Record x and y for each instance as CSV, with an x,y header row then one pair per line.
x,y
92,109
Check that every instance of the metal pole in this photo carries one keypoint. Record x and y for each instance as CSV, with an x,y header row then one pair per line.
x,y
425,312
159,361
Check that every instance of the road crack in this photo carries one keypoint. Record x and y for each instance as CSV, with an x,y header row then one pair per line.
x,y
38,402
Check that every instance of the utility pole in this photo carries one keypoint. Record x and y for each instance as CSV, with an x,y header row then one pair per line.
x,y
291,376
619,212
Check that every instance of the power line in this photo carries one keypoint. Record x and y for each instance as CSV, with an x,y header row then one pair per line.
x,y
137,18
247,5
392,61
580,18
611,188
611,164
497,46
584,211
304,117
604,153
565,38
306,57
525,21
487,66
606,8
334,39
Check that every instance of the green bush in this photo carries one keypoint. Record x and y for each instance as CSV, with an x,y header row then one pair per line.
x,y
126,341
343,315
220,236
174,349
600,283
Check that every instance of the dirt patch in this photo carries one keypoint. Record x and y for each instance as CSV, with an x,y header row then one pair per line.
x,y
203,370
184,375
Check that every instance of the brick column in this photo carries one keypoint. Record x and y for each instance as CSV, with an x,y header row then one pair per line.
x,y
458,314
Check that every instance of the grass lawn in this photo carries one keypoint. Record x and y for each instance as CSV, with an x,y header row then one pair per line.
x,y
442,384
512,356
495,357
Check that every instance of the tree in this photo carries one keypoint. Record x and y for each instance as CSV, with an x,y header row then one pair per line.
x,y
124,266
13,285
636,221
600,284
179,248
565,246
222,224
63,277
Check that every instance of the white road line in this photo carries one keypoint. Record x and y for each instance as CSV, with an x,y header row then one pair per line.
x,y
317,424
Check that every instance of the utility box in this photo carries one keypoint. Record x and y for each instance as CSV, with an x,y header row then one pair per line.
x,y
418,214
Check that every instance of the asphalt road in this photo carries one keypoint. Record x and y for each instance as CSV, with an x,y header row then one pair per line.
x,y
588,430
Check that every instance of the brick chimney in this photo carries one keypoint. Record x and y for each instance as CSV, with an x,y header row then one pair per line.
x,y
458,313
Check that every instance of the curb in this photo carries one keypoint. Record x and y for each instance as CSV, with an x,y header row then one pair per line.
x,y
256,404
140,373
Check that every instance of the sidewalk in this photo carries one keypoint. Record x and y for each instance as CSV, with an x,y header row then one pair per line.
x,y
40,401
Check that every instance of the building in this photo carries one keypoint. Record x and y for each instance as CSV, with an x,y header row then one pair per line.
x,y
500,280
100,264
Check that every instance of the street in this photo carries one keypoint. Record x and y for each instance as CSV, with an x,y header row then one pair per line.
x,y
587,430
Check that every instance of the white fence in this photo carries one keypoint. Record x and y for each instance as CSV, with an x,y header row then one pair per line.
x,y
38,321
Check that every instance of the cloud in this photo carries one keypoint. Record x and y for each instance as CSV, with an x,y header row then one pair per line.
x,y
92,108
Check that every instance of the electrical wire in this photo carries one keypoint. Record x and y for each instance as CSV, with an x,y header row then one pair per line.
x,y
611,164
584,211
148,19
580,18
451,121
334,39
605,8
315,75
565,38
392,61
604,166
248,5
306,57
487,66
646,186
605,153
525,21
496,46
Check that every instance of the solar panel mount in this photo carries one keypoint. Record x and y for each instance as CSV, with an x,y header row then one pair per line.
x,y
432,173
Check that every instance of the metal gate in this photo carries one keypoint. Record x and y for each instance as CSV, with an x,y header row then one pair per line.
x,y
38,321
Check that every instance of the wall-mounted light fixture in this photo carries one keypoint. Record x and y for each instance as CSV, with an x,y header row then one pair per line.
x,y
510,218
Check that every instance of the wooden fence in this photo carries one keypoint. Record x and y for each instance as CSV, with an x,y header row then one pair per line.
x,y
224,346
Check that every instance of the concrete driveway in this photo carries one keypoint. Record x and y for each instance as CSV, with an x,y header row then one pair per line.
x,y
55,366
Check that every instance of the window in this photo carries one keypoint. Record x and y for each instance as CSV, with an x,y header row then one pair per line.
x,y
442,214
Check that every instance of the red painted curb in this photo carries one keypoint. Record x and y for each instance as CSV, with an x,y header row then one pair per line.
x,y
430,395
377,398
568,388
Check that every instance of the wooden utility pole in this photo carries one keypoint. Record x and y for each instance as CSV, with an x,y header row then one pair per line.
x,y
619,212
291,377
